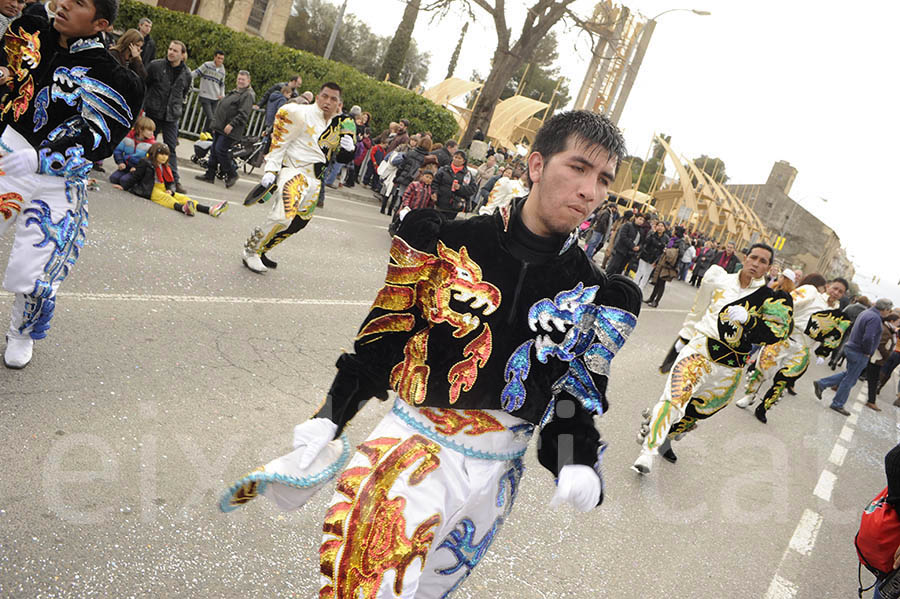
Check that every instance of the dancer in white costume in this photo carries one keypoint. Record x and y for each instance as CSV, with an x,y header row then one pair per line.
x,y
819,326
730,313
67,103
486,329
300,135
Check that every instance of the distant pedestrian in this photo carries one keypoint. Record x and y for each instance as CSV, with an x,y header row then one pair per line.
x,y
168,82
652,249
727,259
601,228
212,86
687,258
127,50
864,338
148,53
228,126
294,82
702,262
275,102
666,269
627,243
444,154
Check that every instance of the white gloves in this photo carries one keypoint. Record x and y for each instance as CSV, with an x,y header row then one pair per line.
x,y
19,163
679,345
737,314
315,434
268,179
347,143
820,360
578,486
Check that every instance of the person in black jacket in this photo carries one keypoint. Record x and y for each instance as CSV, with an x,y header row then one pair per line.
x,y
67,103
702,262
728,259
444,154
651,250
461,331
408,170
228,126
454,186
168,83
627,243
148,54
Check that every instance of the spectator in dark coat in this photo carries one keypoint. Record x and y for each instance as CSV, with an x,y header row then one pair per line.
x,y
651,249
408,170
627,243
702,262
453,185
168,83
294,83
229,124
275,102
445,154
148,53
601,228
728,259
402,136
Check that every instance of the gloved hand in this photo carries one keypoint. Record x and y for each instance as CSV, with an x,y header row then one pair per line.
x,y
347,143
579,486
268,179
679,345
737,314
820,360
315,434
19,163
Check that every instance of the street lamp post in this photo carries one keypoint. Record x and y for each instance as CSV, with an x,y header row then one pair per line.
x,y
635,64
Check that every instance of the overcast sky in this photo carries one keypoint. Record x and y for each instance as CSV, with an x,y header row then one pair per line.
x,y
809,82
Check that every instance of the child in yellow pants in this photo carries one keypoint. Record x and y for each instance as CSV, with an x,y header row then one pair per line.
x,y
152,179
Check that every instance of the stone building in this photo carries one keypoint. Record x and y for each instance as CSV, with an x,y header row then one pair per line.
x,y
264,18
809,244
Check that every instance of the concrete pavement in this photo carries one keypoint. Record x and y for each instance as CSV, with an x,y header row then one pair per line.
x,y
171,370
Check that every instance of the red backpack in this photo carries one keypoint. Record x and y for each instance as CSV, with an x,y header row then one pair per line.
x,y
878,536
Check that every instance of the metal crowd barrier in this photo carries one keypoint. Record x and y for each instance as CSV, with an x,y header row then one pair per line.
x,y
193,119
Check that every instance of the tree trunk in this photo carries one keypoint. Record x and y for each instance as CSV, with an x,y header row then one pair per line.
x,y
504,68
396,52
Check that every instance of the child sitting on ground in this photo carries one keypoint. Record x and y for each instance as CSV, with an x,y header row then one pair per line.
x,y
152,179
131,149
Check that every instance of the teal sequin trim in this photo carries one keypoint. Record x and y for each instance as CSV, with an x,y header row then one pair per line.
x,y
305,482
450,444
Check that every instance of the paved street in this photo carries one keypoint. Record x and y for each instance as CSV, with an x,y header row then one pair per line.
x,y
171,370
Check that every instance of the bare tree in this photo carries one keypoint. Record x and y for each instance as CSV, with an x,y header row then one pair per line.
x,y
509,56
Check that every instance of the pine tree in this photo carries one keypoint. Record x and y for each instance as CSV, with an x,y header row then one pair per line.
x,y
455,56
396,52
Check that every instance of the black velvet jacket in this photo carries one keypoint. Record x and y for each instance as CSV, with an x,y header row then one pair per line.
x,y
61,98
482,314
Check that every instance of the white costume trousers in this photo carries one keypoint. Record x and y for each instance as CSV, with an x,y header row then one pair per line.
x,y
696,388
48,215
420,502
295,196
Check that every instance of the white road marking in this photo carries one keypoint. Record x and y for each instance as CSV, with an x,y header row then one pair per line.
x,y
781,588
847,432
804,538
838,453
208,299
856,406
852,418
825,485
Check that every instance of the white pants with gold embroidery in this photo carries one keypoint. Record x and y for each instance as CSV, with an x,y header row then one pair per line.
x,y
411,516
292,206
696,388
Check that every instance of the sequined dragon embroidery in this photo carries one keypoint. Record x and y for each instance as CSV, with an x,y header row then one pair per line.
x,y
22,55
592,336
95,100
67,236
369,529
430,282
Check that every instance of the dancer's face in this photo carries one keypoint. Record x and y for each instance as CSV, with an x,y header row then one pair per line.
x,y
75,18
757,263
569,185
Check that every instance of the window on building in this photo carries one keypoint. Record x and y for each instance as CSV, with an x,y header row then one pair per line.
x,y
257,13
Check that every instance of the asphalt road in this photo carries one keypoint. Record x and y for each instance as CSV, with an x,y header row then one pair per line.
x,y
171,370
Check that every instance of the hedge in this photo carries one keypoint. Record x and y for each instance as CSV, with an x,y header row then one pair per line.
x,y
269,63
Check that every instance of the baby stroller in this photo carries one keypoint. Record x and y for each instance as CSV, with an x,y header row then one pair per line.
x,y
247,153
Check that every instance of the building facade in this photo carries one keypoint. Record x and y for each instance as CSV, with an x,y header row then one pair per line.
x,y
264,18
809,244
